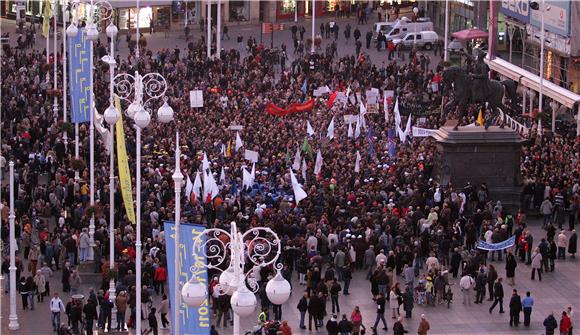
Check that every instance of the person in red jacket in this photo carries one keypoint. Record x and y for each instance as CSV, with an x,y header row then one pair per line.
x,y
565,323
159,277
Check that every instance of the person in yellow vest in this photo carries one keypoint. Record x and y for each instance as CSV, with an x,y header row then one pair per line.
x,y
84,193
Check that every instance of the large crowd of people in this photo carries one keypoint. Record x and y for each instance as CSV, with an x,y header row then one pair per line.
x,y
393,220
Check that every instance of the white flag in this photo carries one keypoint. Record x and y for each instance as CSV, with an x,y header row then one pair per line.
x,y
197,186
223,151
407,130
347,94
299,193
297,160
239,142
223,176
253,173
318,163
362,109
205,162
330,131
188,188
309,129
397,117
304,167
349,135
213,188
386,108
357,128
246,179
357,162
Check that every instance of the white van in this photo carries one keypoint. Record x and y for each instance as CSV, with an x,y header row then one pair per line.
x,y
404,26
422,39
383,27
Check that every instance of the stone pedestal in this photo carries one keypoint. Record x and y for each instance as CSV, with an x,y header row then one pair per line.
x,y
476,155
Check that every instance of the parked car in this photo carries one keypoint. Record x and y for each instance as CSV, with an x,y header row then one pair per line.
x,y
422,39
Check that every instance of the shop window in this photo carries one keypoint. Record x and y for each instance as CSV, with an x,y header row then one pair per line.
x,y
287,7
240,10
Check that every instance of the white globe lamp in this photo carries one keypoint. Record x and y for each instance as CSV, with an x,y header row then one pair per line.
x,y
112,30
72,30
193,292
227,281
111,115
278,289
165,113
243,301
92,32
133,108
142,118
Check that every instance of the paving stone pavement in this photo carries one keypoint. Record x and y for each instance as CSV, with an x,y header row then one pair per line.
x,y
555,292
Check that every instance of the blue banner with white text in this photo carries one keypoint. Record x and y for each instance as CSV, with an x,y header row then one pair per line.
x,y
193,320
497,246
79,74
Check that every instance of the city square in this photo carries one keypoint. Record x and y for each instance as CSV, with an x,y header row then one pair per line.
x,y
319,167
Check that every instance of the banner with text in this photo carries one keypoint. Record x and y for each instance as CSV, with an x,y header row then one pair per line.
x,y
423,132
496,246
191,261
79,77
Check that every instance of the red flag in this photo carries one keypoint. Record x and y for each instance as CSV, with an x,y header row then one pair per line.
x,y
331,99
272,109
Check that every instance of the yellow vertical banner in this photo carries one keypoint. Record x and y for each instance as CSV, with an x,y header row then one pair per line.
x,y
123,164
46,14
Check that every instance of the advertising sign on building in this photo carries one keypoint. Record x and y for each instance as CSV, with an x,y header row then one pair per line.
x,y
517,9
556,17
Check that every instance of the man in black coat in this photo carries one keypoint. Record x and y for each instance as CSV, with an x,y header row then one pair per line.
x,y
498,296
314,308
515,309
550,324
398,328
369,37
302,308
90,311
332,326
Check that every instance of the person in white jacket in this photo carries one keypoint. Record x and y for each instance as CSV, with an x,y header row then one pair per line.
x,y
562,243
394,300
466,283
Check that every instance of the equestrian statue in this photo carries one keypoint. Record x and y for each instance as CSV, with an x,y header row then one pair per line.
x,y
477,88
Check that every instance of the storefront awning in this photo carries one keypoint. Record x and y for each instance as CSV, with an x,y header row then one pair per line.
x,y
532,81
142,3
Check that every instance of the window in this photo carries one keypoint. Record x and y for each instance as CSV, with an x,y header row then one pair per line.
x,y
240,10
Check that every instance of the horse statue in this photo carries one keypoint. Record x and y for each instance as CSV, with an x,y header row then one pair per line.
x,y
471,89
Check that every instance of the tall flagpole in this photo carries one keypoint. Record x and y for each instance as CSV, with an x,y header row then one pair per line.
x,y
64,83
13,317
54,63
218,38
313,9
177,179
92,144
446,52
541,91
137,32
208,14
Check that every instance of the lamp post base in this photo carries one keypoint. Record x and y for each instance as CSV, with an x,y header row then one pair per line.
x,y
13,322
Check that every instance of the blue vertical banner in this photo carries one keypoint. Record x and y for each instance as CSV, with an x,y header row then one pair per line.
x,y
79,74
193,320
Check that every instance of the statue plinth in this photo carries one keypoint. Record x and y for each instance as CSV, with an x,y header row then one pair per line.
x,y
476,155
